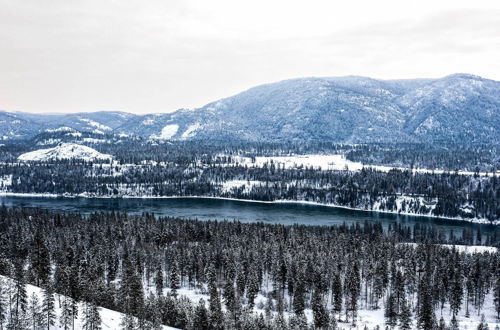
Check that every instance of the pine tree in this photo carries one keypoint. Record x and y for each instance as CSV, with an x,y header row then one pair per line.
x,y
320,313
20,299
298,322
442,324
66,315
483,325
201,320
353,283
159,280
456,293
390,313
128,322
35,312
229,295
454,323
496,295
215,308
298,298
48,306
174,280
40,258
3,303
252,290
91,317
337,293
426,317
405,322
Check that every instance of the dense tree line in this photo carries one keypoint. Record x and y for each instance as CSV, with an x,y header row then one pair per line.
x,y
448,156
446,194
442,155
138,264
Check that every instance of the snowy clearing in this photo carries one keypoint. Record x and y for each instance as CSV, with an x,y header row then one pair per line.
x,y
329,162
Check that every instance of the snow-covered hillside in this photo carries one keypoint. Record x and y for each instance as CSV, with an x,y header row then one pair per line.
x,y
110,319
460,107
64,151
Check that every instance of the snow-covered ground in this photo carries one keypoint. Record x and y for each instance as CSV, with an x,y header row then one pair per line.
x,y
470,249
191,131
110,319
366,317
64,151
60,129
167,132
228,186
328,162
99,126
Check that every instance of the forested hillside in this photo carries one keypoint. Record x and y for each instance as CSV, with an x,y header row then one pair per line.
x,y
459,108
250,276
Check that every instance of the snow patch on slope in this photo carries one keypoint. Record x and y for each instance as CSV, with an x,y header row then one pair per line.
x,y
64,151
167,132
95,124
191,131
60,129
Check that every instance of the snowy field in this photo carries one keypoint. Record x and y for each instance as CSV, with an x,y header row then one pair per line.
x,y
328,162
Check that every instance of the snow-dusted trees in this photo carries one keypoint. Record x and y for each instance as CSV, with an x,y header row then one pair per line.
x,y
283,271
91,317
48,306
35,313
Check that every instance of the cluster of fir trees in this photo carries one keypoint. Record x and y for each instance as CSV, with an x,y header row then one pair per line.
x,y
138,264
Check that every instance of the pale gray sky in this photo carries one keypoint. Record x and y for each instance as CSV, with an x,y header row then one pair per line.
x,y
160,55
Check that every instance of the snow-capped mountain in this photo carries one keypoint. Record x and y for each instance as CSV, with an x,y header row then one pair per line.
x,y
461,107
458,107
64,151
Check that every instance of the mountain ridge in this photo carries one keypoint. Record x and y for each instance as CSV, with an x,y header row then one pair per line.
x,y
352,109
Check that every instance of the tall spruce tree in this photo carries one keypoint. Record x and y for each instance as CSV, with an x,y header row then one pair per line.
x,y
320,312
215,308
201,320
48,306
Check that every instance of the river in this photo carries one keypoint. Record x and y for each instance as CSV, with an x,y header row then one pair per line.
x,y
217,209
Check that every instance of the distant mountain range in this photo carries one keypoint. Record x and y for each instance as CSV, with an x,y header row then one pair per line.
x,y
458,107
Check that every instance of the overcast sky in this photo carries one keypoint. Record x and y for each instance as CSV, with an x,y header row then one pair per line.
x,y
160,55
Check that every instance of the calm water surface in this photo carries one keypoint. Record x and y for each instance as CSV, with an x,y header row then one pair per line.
x,y
214,209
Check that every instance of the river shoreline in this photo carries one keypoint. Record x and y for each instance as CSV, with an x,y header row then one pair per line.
x,y
298,202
